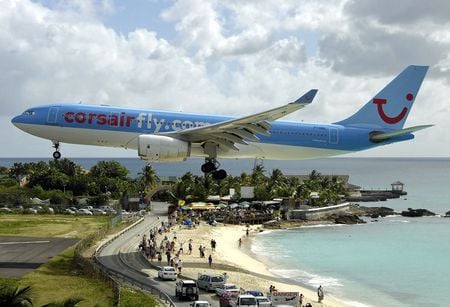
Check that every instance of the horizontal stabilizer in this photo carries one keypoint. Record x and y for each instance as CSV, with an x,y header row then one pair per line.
x,y
382,136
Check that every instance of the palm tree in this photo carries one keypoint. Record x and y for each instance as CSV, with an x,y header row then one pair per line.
x,y
149,176
258,176
13,296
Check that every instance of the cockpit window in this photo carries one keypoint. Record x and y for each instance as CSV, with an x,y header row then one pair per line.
x,y
29,112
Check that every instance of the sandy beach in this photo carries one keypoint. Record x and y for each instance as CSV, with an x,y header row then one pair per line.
x,y
239,263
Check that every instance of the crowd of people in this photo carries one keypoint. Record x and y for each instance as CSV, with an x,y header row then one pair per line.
x,y
162,240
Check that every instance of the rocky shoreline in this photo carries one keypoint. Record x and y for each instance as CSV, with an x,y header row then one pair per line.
x,y
353,215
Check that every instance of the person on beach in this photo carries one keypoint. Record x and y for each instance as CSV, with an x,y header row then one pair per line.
x,y
190,246
180,266
240,242
210,260
168,256
300,300
180,250
320,294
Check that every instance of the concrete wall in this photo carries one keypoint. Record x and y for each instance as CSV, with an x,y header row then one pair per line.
x,y
317,213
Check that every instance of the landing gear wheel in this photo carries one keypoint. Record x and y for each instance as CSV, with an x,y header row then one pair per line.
x,y
56,155
219,175
208,167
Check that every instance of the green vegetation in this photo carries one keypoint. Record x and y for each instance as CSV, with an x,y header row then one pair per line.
x,y
67,226
57,282
197,188
133,298
62,181
60,273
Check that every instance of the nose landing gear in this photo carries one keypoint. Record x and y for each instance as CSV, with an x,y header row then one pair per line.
x,y
56,153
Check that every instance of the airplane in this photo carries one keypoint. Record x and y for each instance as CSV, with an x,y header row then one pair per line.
x,y
163,136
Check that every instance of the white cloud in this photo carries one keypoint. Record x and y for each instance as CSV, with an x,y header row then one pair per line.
x,y
229,57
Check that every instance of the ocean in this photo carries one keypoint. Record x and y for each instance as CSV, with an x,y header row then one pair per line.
x,y
394,261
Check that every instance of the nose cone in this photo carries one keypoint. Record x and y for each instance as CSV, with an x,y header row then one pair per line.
x,y
16,120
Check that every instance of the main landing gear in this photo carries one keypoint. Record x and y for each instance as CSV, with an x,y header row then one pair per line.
x,y
211,165
56,153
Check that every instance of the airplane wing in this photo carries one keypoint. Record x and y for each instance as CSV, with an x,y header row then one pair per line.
x,y
240,130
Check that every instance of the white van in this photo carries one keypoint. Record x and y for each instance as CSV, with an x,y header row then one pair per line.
x,y
210,282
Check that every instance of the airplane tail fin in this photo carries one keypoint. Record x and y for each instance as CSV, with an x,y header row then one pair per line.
x,y
390,107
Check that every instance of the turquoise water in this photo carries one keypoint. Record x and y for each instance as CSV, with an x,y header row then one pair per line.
x,y
394,262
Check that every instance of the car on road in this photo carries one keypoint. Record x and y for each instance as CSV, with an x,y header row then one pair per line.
x,y
254,292
227,299
201,304
210,282
167,272
263,301
227,288
245,300
186,289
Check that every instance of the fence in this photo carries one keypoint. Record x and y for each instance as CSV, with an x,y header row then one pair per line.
x,y
113,278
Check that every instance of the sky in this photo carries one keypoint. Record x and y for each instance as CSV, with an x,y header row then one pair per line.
x,y
227,57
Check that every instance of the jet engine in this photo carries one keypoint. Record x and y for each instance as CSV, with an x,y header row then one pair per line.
x,y
160,148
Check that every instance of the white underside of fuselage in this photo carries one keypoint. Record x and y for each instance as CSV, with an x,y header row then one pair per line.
x,y
128,140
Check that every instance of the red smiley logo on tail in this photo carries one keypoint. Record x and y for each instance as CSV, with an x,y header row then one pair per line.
x,y
387,119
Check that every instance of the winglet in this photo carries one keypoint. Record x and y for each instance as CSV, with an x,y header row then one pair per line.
x,y
308,97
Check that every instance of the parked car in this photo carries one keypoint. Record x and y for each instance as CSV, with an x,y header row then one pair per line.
x,y
97,211
186,289
69,211
30,211
263,301
201,304
254,292
167,272
227,299
210,282
84,212
227,288
245,300
5,209
17,208
111,211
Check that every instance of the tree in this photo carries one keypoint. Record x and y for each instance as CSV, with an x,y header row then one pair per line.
x,y
13,296
149,177
65,166
108,177
110,169
258,176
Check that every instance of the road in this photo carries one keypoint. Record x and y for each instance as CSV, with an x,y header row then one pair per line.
x,y
122,255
